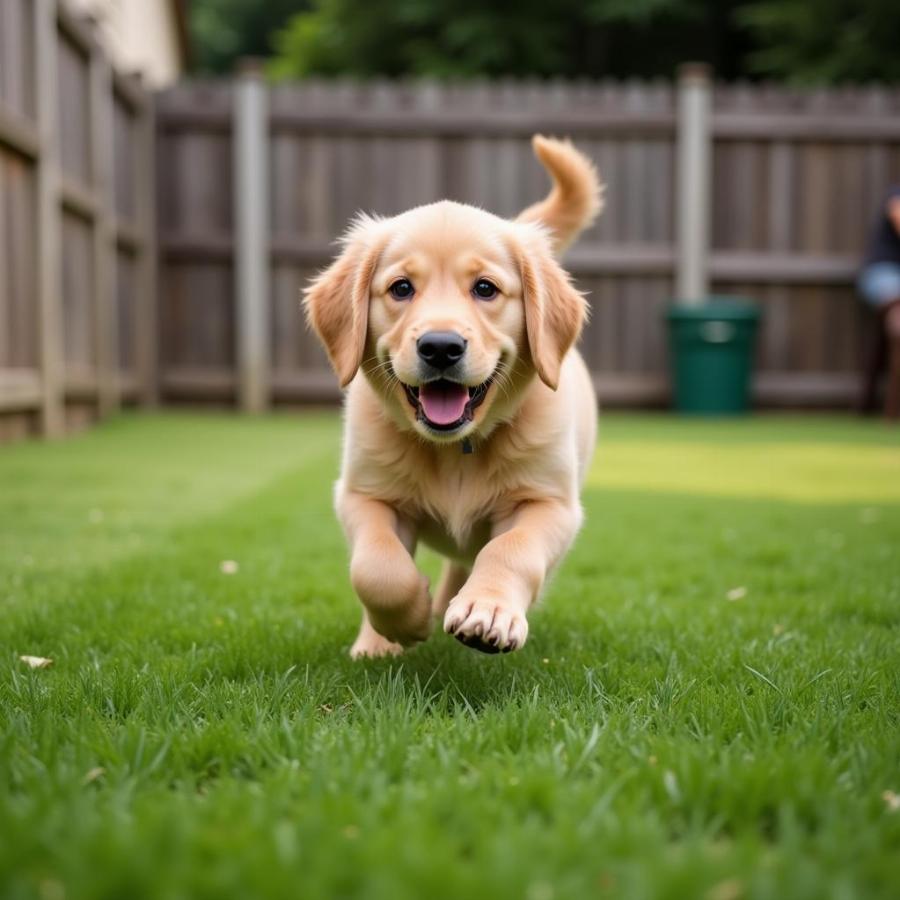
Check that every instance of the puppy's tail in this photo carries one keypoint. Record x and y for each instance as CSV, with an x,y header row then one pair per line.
x,y
577,195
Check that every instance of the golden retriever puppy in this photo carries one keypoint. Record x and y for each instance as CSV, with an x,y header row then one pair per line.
x,y
470,418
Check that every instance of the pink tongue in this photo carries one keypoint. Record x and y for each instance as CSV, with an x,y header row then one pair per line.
x,y
443,401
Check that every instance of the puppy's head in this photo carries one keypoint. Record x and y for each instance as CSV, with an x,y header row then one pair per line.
x,y
449,312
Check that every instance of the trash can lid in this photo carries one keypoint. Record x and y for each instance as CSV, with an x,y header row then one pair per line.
x,y
720,306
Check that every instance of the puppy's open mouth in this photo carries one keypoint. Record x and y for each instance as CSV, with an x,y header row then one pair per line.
x,y
446,405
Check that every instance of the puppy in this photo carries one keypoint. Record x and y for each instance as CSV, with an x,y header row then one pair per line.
x,y
470,417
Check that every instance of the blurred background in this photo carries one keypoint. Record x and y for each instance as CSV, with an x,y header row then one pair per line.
x,y
172,172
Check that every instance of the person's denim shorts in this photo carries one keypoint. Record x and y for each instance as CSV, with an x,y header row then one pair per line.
x,y
879,283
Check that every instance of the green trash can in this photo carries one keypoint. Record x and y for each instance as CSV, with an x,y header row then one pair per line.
x,y
711,349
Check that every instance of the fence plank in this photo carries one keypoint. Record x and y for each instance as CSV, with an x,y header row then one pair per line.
x,y
18,133
48,255
104,270
147,316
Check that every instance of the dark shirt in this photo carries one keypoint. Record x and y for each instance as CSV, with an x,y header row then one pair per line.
x,y
884,242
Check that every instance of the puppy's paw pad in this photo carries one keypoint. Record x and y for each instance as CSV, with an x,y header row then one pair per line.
x,y
477,643
486,625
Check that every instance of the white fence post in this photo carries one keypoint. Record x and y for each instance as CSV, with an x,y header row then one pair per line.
x,y
251,198
694,177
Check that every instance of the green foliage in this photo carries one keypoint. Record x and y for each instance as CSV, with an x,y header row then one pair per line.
x,y
205,735
467,38
799,41
223,31
824,42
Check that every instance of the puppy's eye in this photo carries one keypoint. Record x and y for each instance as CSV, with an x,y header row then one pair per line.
x,y
402,289
484,289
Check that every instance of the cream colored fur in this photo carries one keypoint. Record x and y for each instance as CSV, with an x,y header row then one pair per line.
x,y
506,514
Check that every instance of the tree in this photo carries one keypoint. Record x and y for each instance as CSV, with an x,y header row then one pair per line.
x,y
222,31
466,38
799,41
824,42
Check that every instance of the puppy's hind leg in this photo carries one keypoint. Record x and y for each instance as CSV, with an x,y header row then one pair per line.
x,y
453,577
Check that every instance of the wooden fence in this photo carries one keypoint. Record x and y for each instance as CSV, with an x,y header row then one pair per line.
x,y
253,184
794,180
77,236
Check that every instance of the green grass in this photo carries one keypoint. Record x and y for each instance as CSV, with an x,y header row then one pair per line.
x,y
203,735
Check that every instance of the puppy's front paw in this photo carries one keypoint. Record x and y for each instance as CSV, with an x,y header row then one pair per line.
x,y
488,624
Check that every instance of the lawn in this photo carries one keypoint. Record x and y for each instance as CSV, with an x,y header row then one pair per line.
x,y
708,705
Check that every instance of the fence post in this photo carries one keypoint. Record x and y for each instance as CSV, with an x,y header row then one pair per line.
x,y
48,219
106,311
251,194
147,319
694,176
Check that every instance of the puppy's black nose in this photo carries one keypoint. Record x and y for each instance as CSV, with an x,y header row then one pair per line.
x,y
441,349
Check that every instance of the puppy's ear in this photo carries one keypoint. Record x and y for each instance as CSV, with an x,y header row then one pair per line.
x,y
337,302
554,311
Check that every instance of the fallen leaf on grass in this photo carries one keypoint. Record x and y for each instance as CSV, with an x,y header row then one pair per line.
x,y
36,662
670,783
606,882
93,774
540,890
737,593
50,889
730,889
